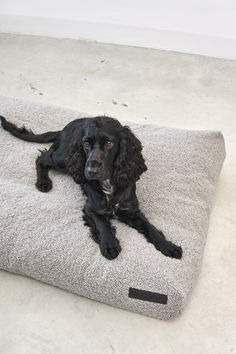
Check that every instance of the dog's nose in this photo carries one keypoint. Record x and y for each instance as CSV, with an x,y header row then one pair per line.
x,y
92,171
94,167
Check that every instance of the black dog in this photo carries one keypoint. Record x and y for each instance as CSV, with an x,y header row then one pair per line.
x,y
105,159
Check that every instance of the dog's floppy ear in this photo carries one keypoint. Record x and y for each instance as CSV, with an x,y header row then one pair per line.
x,y
75,161
129,163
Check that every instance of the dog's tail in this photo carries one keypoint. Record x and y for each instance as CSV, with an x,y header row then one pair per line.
x,y
28,135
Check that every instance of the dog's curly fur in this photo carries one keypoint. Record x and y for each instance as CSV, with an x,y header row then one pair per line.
x,y
105,158
129,164
75,161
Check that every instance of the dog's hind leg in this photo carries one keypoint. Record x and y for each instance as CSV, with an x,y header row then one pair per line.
x,y
43,164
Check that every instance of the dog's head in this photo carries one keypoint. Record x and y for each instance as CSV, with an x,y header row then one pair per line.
x,y
104,149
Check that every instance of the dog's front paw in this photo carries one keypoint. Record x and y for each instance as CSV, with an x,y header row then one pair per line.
x,y
171,250
110,248
44,185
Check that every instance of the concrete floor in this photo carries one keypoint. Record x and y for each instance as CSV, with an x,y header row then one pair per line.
x,y
142,85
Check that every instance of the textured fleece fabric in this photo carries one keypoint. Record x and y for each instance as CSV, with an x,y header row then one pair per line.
x,y
43,235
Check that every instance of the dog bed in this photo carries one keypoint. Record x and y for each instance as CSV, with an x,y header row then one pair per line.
x,y
43,235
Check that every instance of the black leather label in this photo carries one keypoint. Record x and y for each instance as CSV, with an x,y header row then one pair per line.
x,y
147,296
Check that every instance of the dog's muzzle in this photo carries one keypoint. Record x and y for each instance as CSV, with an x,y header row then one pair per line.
x,y
94,169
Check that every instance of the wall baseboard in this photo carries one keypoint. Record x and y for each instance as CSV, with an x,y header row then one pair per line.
x,y
219,47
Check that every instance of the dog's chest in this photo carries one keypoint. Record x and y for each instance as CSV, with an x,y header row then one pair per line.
x,y
108,190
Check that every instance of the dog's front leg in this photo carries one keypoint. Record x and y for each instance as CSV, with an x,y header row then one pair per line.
x,y
103,233
139,222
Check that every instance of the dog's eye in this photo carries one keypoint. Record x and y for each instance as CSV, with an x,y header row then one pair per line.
x,y
109,144
86,144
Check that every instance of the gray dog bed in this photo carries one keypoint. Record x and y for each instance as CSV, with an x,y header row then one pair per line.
x,y
43,235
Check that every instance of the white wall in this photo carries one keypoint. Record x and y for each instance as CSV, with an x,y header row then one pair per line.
x,y
200,26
